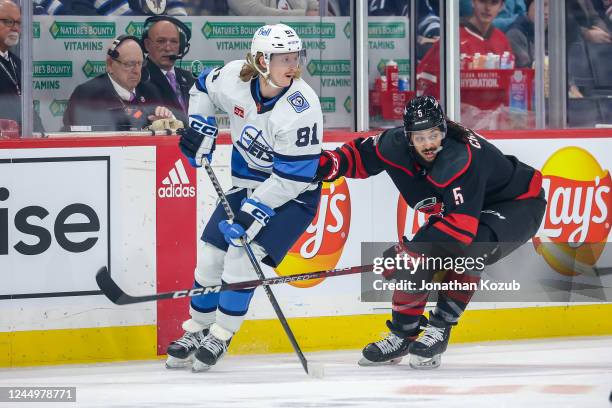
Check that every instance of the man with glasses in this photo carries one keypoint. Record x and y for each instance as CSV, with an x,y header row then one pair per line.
x,y
164,46
117,100
481,204
10,65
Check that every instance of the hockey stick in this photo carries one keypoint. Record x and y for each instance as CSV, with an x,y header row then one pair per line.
x,y
256,266
116,295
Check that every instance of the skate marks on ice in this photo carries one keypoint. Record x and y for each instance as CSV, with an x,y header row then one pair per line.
x,y
544,373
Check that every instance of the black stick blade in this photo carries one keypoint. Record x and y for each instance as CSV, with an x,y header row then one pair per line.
x,y
110,288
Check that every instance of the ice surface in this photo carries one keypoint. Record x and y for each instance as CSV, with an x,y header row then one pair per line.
x,y
569,372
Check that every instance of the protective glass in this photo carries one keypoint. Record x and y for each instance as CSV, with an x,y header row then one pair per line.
x,y
289,60
418,139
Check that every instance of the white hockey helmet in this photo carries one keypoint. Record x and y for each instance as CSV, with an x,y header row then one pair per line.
x,y
275,39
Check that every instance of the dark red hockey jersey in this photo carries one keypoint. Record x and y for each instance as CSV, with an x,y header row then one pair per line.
x,y
465,178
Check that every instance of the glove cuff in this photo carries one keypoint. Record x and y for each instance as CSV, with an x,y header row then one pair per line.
x,y
257,211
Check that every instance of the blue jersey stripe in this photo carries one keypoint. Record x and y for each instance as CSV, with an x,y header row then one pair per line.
x,y
304,169
293,177
201,82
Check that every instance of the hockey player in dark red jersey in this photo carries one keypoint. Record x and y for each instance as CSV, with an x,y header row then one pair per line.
x,y
481,203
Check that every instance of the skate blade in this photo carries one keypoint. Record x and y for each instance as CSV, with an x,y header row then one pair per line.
x,y
425,363
364,362
199,367
174,363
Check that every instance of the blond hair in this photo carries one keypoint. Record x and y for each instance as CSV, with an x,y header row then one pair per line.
x,y
249,69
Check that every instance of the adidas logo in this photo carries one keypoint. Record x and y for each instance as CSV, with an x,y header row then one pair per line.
x,y
176,184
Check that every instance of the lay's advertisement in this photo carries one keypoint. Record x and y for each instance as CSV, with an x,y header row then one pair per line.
x,y
569,259
577,220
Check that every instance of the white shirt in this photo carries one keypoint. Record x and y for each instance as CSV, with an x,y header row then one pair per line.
x,y
166,72
5,55
121,91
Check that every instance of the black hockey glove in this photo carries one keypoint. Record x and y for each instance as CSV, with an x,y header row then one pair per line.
x,y
331,166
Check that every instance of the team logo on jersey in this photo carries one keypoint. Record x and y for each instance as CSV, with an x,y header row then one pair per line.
x,y
238,111
153,6
259,152
410,220
299,103
430,206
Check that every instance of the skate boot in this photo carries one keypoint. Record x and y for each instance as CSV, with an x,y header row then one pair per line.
x,y
391,349
212,348
180,352
426,352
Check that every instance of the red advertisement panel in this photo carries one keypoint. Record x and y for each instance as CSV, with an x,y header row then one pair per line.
x,y
176,192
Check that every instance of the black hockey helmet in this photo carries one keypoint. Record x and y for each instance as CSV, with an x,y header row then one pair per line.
x,y
422,113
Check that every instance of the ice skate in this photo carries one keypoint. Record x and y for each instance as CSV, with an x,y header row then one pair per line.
x,y
212,349
388,351
180,352
426,352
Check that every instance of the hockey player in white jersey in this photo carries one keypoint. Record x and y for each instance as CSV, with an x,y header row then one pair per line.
x,y
276,129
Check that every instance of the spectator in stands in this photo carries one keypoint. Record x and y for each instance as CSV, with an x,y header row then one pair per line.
x,y
512,9
387,8
10,65
477,35
338,8
582,20
117,100
428,26
110,7
207,8
166,39
273,7
521,35
606,12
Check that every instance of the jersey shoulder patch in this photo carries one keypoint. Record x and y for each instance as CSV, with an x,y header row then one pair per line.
x,y
298,102
452,162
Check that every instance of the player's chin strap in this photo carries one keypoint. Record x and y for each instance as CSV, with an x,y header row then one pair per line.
x,y
265,75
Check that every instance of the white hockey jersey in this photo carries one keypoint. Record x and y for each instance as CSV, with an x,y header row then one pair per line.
x,y
276,142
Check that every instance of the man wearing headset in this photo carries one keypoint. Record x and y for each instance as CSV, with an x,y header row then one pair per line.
x,y
116,100
165,40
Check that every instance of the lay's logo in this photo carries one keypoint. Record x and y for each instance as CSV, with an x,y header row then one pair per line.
x,y
577,221
321,245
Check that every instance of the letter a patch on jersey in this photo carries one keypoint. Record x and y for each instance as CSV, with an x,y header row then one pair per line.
x,y
299,103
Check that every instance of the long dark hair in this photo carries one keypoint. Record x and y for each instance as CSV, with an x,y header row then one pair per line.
x,y
457,131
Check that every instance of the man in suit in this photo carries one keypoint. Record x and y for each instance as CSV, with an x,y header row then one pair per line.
x,y
10,65
163,44
117,100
